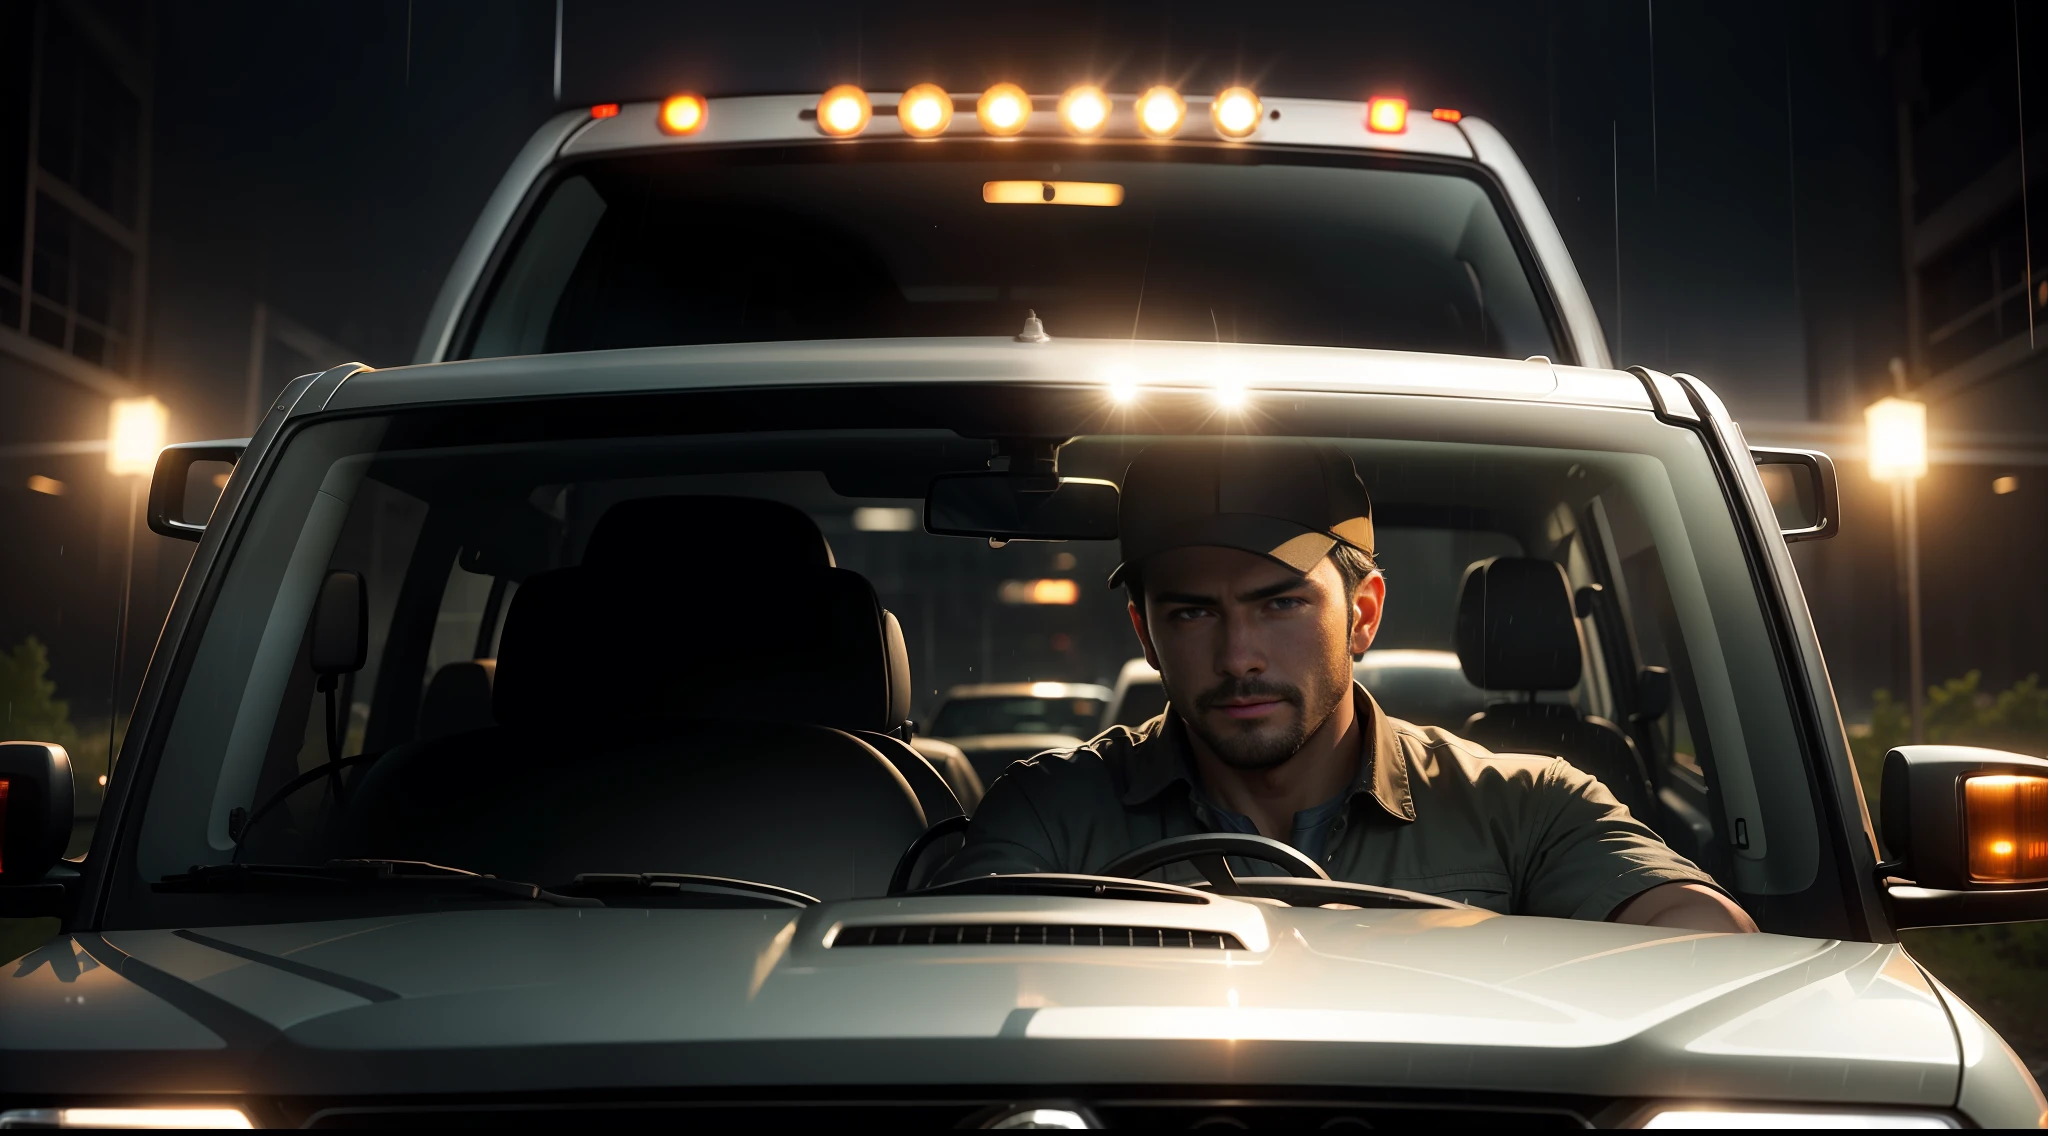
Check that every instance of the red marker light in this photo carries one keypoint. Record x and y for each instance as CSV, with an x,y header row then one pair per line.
x,y
1387,116
605,110
1446,114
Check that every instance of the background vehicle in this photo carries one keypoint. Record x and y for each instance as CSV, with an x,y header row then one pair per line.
x,y
995,724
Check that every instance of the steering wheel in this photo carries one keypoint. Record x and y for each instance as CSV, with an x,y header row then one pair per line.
x,y
1206,850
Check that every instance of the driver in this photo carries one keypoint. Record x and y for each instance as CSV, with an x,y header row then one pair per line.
x,y
1252,587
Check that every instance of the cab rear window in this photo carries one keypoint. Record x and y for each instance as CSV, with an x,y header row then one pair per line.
x,y
793,243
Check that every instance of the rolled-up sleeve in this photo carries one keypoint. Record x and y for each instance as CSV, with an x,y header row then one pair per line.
x,y
1585,854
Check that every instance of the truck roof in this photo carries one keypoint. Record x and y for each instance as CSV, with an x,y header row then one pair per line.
x,y
990,359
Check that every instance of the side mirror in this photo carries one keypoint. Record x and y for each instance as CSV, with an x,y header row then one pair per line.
x,y
1803,493
35,810
1969,827
187,484
1021,506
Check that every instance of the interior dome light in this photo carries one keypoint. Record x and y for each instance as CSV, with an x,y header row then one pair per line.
x,y
680,114
925,111
844,110
1160,111
1237,112
1387,116
1084,111
1004,110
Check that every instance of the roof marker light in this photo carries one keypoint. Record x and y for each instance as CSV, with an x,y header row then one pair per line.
x,y
1160,111
844,111
605,110
1446,114
925,111
1084,111
680,114
1004,110
1236,112
1387,116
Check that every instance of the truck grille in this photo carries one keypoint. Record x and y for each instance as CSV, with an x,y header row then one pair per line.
x,y
1031,935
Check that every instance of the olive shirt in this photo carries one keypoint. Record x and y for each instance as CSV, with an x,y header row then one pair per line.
x,y
1428,812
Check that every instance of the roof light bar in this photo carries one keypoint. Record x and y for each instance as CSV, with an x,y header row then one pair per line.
x,y
1004,110
1161,110
1387,116
844,111
1084,111
680,114
1236,112
925,111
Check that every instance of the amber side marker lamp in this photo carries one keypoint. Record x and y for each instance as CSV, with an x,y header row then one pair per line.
x,y
844,111
605,110
2005,821
680,114
1446,114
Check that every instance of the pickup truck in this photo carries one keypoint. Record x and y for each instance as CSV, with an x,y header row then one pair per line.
x,y
530,738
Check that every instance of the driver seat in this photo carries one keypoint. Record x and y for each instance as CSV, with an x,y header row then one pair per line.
x,y
1516,631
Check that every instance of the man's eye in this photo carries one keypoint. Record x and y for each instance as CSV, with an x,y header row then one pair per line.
x,y
1289,603
1185,614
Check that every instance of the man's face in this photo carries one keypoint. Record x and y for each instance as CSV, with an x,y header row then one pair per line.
x,y
1254,657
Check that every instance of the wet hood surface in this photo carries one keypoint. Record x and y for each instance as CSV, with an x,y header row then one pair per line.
x,y
561,999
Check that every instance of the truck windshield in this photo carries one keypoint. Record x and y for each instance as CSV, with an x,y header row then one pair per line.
x,y
1121,243
664,633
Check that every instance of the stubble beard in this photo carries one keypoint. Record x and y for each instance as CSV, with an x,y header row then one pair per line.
x,y
1257,746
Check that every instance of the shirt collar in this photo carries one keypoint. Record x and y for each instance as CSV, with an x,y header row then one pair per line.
x,y
1162,757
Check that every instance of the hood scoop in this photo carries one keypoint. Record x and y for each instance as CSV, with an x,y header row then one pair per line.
x,y
1030,935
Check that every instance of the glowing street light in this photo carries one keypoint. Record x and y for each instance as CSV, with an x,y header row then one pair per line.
x,y
1898,439
135,433
1898,454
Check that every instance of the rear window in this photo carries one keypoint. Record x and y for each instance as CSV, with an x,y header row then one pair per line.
x,y
882,241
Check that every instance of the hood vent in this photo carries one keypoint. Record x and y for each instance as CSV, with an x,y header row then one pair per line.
x,y
1031,935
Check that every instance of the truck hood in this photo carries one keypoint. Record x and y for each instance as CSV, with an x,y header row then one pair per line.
x,y
493,1000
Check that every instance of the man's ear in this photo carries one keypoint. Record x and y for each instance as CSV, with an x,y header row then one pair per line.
x,y
1144,635
1368,603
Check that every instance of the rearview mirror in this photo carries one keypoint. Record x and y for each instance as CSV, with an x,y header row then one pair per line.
x,y
1969,828
1013,506
1801,486
187,485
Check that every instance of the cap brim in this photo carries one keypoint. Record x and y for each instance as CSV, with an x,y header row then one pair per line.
x,y
1292,546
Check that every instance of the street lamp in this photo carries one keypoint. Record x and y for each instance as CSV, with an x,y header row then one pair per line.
x,y
135,434
1898,454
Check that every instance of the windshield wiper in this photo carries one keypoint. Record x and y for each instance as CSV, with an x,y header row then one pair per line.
x,y
683,888
359,875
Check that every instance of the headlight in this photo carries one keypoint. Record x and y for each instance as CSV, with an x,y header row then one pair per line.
x,y
1709,1117
124,1118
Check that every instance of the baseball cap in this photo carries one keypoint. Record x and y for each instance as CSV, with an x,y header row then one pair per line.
x,y
1286,499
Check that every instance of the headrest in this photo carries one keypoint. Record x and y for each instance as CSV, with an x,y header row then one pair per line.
x,y
1516,629
457,700
807,645
752,532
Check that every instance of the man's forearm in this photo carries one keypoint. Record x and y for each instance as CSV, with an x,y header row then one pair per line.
x,y
1694,907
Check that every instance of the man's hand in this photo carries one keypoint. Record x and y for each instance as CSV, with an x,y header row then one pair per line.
x,y
1695,907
